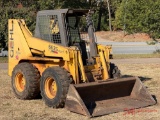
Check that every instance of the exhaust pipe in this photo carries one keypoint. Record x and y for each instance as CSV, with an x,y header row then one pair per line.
x,y
106,97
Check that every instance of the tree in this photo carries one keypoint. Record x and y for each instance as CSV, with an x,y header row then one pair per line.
x,y
109,14
14,12
110,6
139,16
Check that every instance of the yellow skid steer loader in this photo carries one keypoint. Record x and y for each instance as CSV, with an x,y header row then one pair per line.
x,y
63,62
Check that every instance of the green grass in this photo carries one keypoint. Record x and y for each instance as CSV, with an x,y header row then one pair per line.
x,y
3,59
125,56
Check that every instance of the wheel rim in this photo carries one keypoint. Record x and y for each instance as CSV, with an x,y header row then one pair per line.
x,y
20,82
50,87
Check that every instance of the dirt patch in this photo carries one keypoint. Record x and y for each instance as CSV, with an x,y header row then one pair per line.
x,y
120,36
3,65
13,108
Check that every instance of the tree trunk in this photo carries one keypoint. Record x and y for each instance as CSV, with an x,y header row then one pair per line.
x,y
109,12
99,18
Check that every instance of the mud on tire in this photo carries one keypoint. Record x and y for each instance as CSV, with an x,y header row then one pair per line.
x,y
25,81
54,86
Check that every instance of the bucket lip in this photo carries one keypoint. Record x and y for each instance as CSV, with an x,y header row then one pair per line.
x,y
109,81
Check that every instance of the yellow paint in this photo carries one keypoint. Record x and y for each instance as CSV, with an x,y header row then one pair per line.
x,y
20,82
55,28
24,47
50,88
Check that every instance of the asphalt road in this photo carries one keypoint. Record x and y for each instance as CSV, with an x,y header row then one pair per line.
x,y
116,61
132,47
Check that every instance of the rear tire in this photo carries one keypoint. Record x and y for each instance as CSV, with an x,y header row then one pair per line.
x,y
114,71
54,86
25,81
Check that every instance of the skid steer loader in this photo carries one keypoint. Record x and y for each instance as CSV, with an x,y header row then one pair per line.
x,y
63,62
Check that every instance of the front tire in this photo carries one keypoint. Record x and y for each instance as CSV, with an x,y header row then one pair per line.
x,y
25,81
54,86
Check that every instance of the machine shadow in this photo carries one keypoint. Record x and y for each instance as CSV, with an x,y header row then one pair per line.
x,y
143,79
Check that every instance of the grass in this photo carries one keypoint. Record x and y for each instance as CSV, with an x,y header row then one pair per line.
x,y
3,59
126,56
115,56
13,108
153,42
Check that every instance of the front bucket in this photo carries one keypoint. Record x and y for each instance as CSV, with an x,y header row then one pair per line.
x,y
99,98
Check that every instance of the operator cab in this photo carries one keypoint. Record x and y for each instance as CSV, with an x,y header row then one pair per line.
x,y
67,27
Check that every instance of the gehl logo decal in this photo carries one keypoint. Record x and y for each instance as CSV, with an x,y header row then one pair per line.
x,y
11,43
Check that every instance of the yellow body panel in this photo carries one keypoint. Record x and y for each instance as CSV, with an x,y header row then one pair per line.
x,y
23,47
18,47
21,43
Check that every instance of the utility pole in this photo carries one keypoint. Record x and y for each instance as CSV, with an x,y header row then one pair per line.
x,y
109,14
124,20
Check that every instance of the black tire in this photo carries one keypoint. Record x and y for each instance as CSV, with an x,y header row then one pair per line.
x,y
31,76
62,79
114,71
